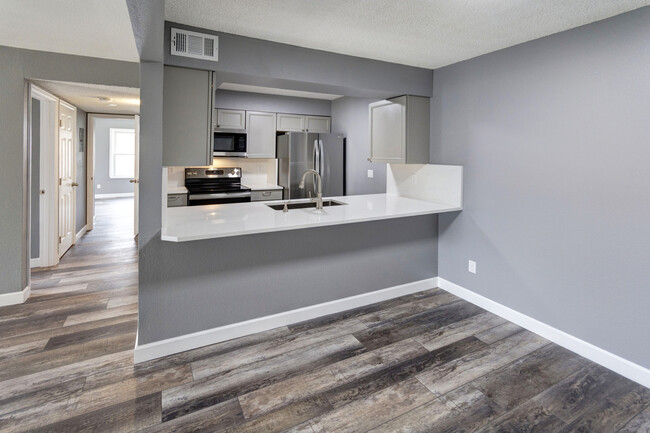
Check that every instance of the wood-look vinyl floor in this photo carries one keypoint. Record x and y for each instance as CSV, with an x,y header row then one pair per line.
x,y
427,362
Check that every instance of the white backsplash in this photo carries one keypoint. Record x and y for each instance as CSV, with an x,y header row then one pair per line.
x,y
428,182
254,171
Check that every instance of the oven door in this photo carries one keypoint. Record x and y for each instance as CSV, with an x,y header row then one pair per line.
x,y
229,144
218,198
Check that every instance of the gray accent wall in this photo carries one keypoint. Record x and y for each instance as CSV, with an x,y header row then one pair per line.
x,y
350,116
257,62
273,103
194,286
101,129
189,266
80,204
17,66
554,137
35,178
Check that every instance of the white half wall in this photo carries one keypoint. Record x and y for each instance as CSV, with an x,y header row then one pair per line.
x,y
428,182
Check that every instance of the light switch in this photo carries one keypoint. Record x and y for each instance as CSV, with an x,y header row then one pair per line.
x,y
371,174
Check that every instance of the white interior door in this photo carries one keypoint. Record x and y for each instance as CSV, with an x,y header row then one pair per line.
x,y
66,168
136,177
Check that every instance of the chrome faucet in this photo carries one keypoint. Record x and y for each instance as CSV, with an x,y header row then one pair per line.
x,y
319,197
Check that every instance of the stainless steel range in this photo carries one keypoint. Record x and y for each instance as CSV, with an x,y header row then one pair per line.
x,y
210,185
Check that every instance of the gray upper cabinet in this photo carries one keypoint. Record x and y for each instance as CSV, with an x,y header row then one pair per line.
x,y
229,119
290,122
302,123
261,134
318,124
399,130
187,117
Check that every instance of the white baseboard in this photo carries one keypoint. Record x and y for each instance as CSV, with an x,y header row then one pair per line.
x,y
35,263
15,297
82,232
600,356
115,195
146,352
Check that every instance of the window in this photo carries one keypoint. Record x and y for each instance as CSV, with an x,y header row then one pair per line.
x,y
122,153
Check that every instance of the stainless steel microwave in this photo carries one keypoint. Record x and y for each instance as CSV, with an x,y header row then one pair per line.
x,y
229,144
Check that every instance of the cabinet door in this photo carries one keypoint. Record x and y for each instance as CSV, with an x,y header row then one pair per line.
x,y
387,132
318,124
291,122
260,142
230,119
187,110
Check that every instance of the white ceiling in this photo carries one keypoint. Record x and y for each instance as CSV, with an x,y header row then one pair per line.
x,y
426,33
86,96
94,28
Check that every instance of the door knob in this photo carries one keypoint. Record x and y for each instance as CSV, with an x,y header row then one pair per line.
x,y
75,184
133,181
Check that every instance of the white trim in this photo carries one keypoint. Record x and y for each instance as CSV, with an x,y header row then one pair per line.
x,y
600,356
48,202
35,263
115,195
146,352
15,297
82,232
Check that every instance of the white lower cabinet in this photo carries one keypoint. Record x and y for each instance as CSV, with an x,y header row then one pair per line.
x,y
266,194
260,129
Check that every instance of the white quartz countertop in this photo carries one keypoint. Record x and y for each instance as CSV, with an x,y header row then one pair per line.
x,y
215,221
262,186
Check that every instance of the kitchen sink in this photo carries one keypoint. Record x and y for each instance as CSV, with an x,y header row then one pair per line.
x,y
305,205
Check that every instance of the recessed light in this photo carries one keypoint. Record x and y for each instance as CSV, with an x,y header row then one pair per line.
x,y
112,105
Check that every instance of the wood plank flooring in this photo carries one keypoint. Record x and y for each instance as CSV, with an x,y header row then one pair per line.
x,y
427,362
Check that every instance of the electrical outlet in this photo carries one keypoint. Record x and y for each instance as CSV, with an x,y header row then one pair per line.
x,y
371,174
471,266
99,186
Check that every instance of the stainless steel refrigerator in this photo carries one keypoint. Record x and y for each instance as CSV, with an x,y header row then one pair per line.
x,y
299,151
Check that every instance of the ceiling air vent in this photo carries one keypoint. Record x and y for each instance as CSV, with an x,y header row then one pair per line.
x,y
195,45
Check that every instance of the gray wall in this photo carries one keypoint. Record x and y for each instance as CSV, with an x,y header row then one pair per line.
x,y
250,61
273,103
190,287
80,220
350,116
17,65
36,177
101,129
554,137
270,64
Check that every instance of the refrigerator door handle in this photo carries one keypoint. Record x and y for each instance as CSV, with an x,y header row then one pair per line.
x,y
321,158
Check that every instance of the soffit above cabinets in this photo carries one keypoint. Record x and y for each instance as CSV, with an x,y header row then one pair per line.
x,y
276,91
425,33
93,28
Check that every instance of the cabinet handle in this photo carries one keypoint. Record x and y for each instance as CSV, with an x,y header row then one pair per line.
x,y
266,193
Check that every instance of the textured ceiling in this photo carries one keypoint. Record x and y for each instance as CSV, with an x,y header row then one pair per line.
x,y
94,28
426,33
86,96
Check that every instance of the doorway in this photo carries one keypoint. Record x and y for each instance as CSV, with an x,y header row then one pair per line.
x,y
113,159
62,135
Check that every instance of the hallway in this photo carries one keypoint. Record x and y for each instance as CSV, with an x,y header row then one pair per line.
x,y
80,316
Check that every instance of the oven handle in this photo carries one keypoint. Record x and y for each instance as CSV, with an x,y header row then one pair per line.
x,y
219,195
